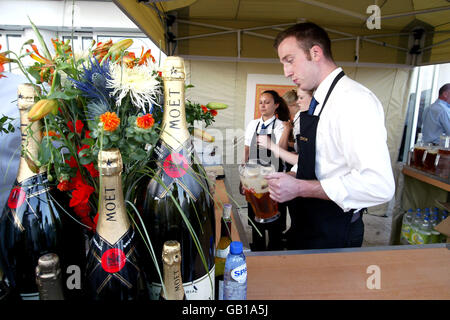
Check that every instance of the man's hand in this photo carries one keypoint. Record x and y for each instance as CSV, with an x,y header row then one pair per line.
x,y
282,187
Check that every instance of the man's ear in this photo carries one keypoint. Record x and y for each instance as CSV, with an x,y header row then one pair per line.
x,y
316,53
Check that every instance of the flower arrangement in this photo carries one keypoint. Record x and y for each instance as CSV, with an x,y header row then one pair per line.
x,y
109,98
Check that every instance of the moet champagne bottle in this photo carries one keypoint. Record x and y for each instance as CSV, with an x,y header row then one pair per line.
x,y
173,282
113,271
223,248
178,193
30,225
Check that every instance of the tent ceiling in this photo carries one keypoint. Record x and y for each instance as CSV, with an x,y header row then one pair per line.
x,y
211,27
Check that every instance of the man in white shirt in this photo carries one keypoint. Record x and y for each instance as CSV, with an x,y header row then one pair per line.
x,y
344,165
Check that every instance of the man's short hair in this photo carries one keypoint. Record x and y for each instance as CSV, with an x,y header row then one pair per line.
x,y
444,88
308,34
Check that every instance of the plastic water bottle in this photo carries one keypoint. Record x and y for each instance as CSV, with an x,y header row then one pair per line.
x,y
406,226
424,232
417,221
435,235
235,275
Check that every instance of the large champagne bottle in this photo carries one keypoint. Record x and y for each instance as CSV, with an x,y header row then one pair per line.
x,y
113,271
30,225
223,248
173,283
176,193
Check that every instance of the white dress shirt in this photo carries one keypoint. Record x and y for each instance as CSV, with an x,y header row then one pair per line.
x,y
251,128
352,157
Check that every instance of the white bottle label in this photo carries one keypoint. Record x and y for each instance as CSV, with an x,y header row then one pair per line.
x,y
223,253
240,273
199,289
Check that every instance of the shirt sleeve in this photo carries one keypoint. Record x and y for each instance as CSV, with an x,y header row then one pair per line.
x,y
444,120
366,179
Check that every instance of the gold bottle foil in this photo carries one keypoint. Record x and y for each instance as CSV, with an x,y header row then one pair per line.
x,y
48,278
171,257
175,130
113,221
31,133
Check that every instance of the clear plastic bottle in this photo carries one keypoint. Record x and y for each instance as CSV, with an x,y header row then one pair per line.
x,y
435,235
235,275
406,226
424,232
415,227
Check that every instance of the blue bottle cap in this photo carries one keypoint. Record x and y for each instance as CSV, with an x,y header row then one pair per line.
x,y
236,247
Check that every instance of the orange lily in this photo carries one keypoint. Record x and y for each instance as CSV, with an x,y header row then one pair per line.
x,y
101,50
3,60
42,108
38,57
145,56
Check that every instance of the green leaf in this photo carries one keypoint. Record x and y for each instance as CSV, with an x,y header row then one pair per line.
x,y
114,137
85,160
88,141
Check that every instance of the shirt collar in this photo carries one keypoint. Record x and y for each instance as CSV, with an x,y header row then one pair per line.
x,y
323,87
297,115
268,121
445,103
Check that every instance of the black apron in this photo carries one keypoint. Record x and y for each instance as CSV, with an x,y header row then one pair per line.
x,y
262,154
274,228
316,223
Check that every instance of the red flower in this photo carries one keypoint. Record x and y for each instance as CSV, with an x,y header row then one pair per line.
x,y
79,126
82,211
72,162
82,191
70,125
205,109
213,112
64,185
87,134
91,168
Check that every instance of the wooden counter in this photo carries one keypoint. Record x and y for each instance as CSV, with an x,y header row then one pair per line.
x,y
426,177
407,272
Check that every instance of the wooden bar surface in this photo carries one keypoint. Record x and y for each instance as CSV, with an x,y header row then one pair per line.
x,y
424,177
221,197
405,274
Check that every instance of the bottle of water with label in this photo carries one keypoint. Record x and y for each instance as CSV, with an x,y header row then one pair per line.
x,y
235,275
406,226
424,232
415,227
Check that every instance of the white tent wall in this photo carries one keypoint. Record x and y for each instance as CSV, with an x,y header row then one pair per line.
x,y
227,82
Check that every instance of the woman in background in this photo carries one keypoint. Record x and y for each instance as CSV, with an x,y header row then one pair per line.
x,y
274,111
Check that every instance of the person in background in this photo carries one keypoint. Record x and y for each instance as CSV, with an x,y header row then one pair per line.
x,y
343,163
287,140
10,142
274,111
283,150
436,118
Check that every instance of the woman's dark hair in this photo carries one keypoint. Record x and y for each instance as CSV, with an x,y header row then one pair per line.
x,y
282,112
307,35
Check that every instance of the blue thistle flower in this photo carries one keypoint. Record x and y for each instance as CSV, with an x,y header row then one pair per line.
x,y
93,81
